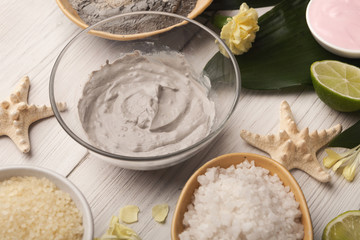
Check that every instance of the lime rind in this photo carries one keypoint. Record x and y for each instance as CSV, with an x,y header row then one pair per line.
x,y
344,93
329,73
344,226
337,84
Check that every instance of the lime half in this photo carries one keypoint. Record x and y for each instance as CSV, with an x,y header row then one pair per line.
x,y
346,226
337,84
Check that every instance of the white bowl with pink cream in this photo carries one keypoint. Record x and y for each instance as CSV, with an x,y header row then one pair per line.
x,y
335,25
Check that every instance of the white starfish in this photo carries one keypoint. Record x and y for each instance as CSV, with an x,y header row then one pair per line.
x,y
293,148
16,115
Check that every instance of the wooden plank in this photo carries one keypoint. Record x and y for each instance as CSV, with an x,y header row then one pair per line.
x,y
31,37
112,188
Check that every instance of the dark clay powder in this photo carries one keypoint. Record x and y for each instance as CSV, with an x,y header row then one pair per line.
x,y
93,11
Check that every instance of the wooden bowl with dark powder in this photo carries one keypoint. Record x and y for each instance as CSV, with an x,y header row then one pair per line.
x,y
85,13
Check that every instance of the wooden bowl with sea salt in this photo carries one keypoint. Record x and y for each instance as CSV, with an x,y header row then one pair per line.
x,y
73,15
226,161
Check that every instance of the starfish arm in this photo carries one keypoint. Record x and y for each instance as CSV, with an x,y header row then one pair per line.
x,y
310,164
36,113
16,115
265,143
304,135
21,138
21,91
293,148
2,132
287,122
61,106
4,105
3,121
320,139
17,131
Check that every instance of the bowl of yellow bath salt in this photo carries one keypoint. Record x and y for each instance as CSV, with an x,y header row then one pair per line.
x,y
39,204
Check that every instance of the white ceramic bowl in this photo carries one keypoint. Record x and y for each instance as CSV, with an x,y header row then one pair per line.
x,y
62,183
343,52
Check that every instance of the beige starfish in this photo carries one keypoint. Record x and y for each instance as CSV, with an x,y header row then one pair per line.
x,y
16,115
294,148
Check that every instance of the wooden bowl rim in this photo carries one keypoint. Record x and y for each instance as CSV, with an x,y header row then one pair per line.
x,y
233,159
71,13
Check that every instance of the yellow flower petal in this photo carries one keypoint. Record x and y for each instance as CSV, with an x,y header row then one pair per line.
x,y
160,212
239,32
124,232
128,214
349,172
117,231
338,164
108,237
348,160
331,159
114,220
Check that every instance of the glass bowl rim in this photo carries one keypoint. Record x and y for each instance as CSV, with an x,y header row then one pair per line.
x,y
142,158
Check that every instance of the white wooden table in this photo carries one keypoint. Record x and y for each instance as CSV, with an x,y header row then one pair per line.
x,y
32,34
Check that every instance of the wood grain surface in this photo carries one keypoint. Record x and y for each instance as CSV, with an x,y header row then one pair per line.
x,y
32,34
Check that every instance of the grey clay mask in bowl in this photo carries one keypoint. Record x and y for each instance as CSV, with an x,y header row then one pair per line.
x,y
87,53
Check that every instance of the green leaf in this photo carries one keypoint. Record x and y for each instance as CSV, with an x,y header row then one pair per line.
x,y
283,50
219,20
219,70
235,4
350,138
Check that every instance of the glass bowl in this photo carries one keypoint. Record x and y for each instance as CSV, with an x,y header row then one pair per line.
x,y
87,52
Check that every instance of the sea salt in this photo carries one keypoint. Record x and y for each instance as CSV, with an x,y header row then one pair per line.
x,y
243,202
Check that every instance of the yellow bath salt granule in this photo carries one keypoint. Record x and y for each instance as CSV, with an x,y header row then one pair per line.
x,y
129,214
117,231
240,30
35,209
160,212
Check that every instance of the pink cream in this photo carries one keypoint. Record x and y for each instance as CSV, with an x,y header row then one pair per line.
x,y
337,22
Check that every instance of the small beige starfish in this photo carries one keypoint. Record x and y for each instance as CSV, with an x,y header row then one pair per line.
x,y
293,148
16,115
